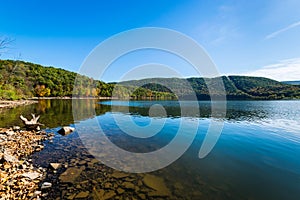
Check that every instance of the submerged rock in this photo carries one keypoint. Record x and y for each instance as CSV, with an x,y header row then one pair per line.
x,y
70,175
109,194
128,185
119,175
82,195
157,184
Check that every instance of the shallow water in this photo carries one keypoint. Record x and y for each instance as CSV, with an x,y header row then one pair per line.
x,y
256,156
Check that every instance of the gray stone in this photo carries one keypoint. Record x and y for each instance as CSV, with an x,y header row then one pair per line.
x,y
66,130
46,185
37,192
16,128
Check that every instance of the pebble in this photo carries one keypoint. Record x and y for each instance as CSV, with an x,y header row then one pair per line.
x,y
55,165
19,178
46,185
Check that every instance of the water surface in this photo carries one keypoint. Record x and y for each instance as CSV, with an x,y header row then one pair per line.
x,y
256,157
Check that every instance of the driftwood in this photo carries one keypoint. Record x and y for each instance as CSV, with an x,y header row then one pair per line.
x,y
33,124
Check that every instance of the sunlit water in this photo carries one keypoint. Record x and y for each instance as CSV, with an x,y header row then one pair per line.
x,y
256,157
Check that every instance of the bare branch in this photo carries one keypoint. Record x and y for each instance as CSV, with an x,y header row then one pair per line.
x,y
5,42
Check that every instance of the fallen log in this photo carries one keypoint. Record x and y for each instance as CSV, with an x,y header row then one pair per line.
x,y
32,124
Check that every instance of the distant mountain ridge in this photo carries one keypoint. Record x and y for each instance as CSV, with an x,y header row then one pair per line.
x,y
236,87
19,79
292,82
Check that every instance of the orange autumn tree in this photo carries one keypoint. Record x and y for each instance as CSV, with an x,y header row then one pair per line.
x,y
42,91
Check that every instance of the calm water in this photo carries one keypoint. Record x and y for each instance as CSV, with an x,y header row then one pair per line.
x,y
256,157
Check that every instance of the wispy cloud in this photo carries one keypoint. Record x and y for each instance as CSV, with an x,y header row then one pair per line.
x,y
220,29
284,70
274,34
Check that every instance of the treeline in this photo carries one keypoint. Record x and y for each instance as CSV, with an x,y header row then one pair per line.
x,y
19,79
236,87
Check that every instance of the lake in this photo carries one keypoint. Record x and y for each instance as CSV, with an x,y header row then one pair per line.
x,y
257,155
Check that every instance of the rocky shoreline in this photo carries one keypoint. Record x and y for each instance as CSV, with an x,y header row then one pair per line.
x,y
19,178
12,104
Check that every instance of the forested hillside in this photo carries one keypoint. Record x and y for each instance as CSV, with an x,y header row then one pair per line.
x,y
19,79
237,87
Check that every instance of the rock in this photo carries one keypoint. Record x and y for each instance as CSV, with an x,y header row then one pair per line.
x,y
82,162
118,175
108,185
16,128
120,191
157,184
9,158
66,130
128,185
37,193
72,196
98,194
102,195
55,165
78,187
46,185
19,178
158,194
142,196
70,175
31,175
109,194
10,133
82,195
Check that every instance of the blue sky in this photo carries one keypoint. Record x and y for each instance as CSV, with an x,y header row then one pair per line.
x,y
259,37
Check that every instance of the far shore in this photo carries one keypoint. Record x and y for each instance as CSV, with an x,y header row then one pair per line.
x,y
15,103
104,98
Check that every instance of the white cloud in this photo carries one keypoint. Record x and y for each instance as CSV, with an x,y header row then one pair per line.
x,y
285,70
274,34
